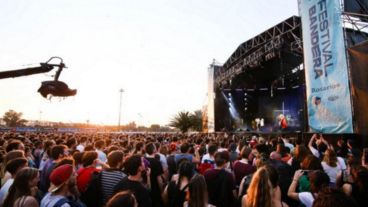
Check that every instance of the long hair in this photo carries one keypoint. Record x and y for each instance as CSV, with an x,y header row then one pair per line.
x,y
330,158
20,186
124,198
311,162
301,152
318,180
186,169
198,196
333,197
360,177
259,190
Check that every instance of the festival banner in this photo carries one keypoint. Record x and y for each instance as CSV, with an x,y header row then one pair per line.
x,y
327,82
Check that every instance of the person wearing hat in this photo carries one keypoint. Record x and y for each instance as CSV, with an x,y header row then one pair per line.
x,y
63,190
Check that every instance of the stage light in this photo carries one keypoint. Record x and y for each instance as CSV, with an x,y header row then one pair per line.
x,y
229,94
245,99
245,94
245,109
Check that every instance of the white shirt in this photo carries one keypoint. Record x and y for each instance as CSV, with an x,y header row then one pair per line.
x,y
5,189
6,177
80,148
163,161
341,162
43,161
221,150
206,157
290,146
101,156
50,200
306,198
314,151
332,172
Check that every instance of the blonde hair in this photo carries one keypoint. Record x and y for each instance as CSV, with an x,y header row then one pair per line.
x,y
260,189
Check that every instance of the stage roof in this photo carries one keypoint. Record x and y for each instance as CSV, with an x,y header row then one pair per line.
x,y
283,37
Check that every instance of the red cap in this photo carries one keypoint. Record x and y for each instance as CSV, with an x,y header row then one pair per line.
x,y
172,147
59,176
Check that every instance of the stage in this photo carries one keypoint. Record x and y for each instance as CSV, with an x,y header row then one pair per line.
x,y
264,78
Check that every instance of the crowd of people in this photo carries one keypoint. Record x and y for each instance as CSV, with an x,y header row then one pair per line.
x,y
172,170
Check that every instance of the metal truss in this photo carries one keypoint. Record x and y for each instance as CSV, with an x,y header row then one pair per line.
x,y
355,21
263,46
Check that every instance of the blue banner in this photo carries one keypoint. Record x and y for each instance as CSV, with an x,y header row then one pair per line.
x,y
327,82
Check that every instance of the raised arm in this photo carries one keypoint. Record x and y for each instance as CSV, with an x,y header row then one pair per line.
x,y
324,141
292,189
311,141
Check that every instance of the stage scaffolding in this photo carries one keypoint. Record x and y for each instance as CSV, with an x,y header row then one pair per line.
x,y
263,47
275,57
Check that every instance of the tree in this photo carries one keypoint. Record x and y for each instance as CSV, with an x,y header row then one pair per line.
x,y
13,118
182,121
196,119
155,128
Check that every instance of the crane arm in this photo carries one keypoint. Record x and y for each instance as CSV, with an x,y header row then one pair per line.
x,y
54,88
43,68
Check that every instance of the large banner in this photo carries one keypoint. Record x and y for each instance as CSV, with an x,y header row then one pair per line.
x,y
327,82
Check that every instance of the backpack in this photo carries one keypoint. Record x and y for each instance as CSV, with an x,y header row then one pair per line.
x,y
176,196
71,203
207,164
245,184
92,197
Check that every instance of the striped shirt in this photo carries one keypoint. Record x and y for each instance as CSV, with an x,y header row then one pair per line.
x,y
109,178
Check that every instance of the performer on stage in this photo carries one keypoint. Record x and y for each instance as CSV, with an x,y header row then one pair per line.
x,y
283,125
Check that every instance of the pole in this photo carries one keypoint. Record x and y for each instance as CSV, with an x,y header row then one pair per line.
x,y
121,96
40,119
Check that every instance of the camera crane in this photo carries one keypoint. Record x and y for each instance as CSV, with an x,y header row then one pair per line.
x,y
54,87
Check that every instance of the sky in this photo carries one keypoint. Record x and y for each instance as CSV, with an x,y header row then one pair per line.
x,y
158,51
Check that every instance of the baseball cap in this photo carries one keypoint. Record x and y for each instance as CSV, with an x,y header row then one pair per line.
x,y
59,176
